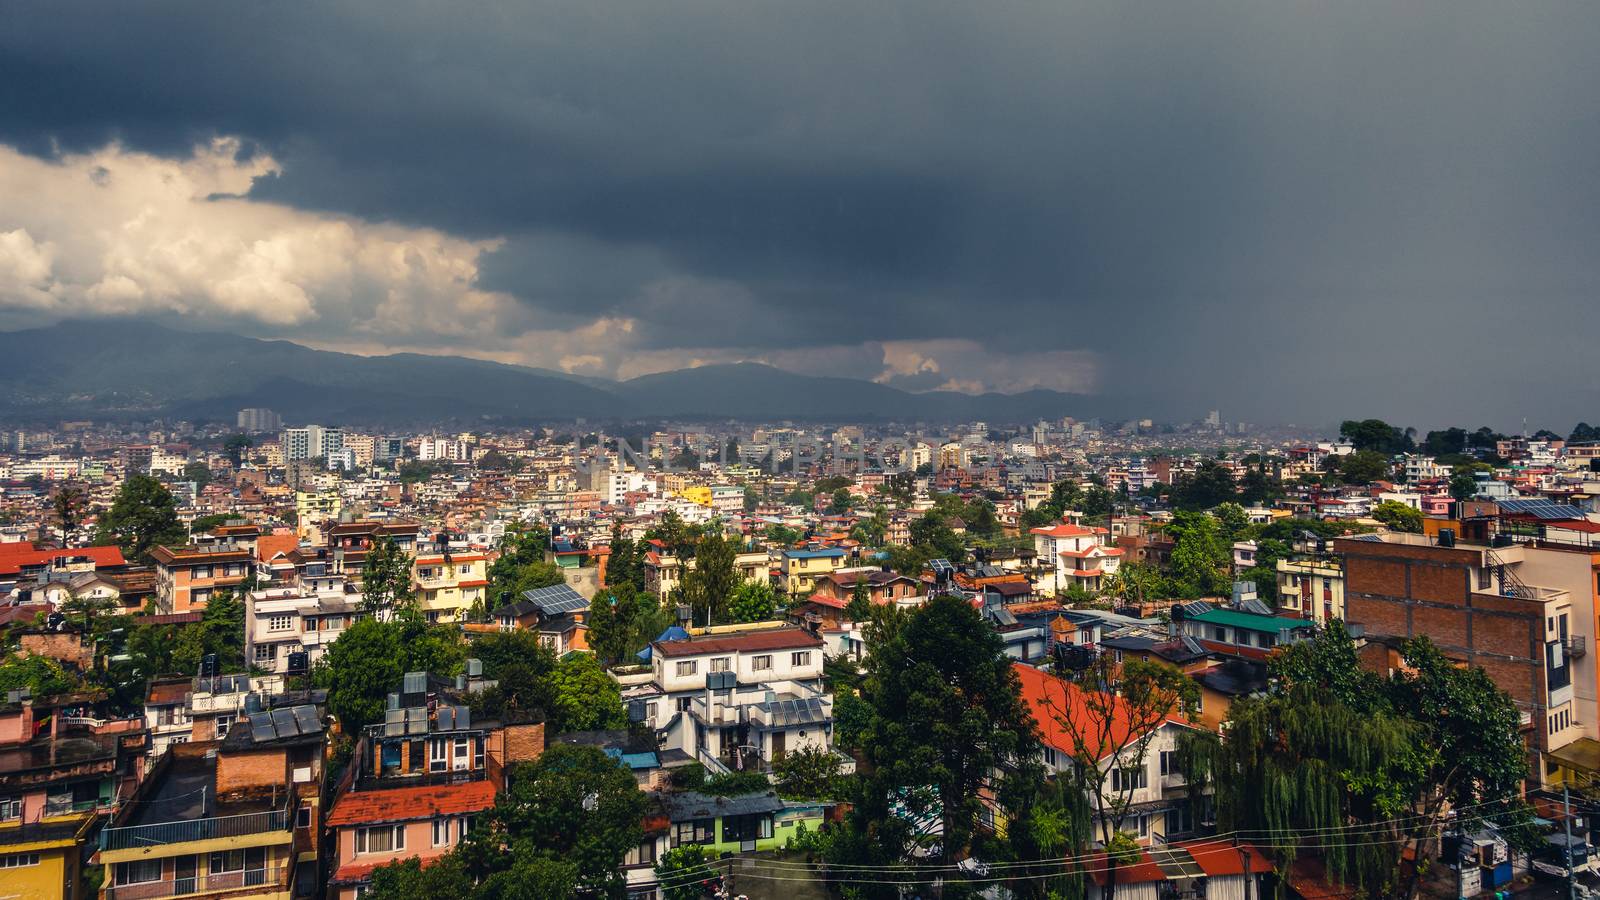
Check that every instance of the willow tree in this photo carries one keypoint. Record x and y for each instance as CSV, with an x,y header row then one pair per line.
x,y
1363,770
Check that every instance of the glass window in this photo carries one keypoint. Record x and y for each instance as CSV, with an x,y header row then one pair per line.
x,y
20,860
720,664
381,839
202,572
695,831
141,871
688,667
800,659
10,808
761,663
280,623
642,855
441,832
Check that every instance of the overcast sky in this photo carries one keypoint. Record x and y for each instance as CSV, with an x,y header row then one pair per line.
x,y
1288,211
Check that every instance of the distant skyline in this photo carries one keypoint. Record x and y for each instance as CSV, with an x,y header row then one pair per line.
x,y
1286,212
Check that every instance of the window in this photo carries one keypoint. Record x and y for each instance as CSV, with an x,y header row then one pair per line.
x,y
19,860
222,724
1169,763
438,754
441,832
688,667
201,572
761,663
463,827
266,652
642,855
280,623
302,817
694,831
10,808
1127,779
800,659
720,664
141,871
381,839
1485,579
464,570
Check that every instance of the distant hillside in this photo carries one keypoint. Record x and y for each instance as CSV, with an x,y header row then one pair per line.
x,y
138,369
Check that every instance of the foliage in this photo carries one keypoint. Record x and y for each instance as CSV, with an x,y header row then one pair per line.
x,y
1210,485
235,446
386,577
1257,486
625,566
810,773
621,622
408,879
735,784
851,717
683,873
753,601
931,536
197,472
142,516
872,531
841,502
1199,560
220,631
1231,520
1399,516
359,671
1463,486
946,715
1361,467
1376,435
859,609
583,697
709,586
521,565
68,505
782,536
41,675
574,807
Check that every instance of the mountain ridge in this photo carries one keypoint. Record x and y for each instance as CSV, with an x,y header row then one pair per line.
x,y
136,368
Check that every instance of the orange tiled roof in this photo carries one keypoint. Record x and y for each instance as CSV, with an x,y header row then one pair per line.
x,y
400,804
1051,699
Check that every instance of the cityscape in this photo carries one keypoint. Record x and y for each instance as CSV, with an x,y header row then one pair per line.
x,y
738,451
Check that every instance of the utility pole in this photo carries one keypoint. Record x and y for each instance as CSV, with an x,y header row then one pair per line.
x,y
1566,823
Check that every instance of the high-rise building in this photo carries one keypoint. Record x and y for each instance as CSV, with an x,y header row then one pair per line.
x,y
311,441
259,419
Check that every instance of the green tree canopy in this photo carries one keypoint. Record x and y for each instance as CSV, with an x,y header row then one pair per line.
x,y
142,517
583,697
709,585
753,601
1398,516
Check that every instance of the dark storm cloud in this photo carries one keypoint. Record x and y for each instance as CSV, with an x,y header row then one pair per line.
x,y
1284,210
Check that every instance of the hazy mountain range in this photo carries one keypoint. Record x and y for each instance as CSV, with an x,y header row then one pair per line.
x,y
120,368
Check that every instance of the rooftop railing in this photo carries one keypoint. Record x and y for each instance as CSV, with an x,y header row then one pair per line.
x,y
162,833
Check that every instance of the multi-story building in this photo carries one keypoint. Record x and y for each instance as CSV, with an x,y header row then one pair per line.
x,y
61,771
1140,778
663,569
448,585
312,508
1073,556
258,420
280,622
680,669
417,779
799,570
311,442
186,577
1312,587
1481,605
237,817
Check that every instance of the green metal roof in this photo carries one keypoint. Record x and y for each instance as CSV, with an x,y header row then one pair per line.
x,y
1249,621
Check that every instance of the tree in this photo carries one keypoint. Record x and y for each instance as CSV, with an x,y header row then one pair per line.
x,y
1199,559
709,586
583,697
1232,521
841,502
946,717
874,530
521,565
625,565
1583,432
1105,732
1139,582
1098,502
684,875
219,632
359,671
1362,466
235,446
68,506
1463,485
782,536
753,601
615,617
1398,516
576,806
1376,435
1257,487
859,609
43,676
810,773
386,577
142,517
1446,442
408,879
929,533
197,472
1210,485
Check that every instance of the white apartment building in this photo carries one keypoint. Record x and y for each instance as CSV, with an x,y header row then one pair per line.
x,y
311,441
1074,556
286,620
680,669
436,448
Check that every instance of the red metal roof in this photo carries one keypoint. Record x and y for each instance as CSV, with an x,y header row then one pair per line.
x,y
400,804
1051,699
782,639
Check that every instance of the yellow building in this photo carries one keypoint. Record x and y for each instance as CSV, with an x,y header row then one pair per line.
x,y
1312,588
802,568
41,859
699,495
450,584
312,508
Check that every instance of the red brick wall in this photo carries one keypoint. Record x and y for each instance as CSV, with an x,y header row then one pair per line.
x,y
523,743
249,772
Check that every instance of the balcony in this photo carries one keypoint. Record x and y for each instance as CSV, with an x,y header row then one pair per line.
x,y
271,879
163,833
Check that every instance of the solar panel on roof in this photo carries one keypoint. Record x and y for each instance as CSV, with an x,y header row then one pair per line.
x,y
284,723
306,718
261,728
940,566
556,600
